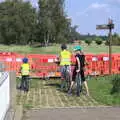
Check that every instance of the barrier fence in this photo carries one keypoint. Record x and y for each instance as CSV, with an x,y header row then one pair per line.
x,y
44,65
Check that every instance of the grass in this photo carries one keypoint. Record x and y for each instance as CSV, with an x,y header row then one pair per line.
x,y
100,90
93,48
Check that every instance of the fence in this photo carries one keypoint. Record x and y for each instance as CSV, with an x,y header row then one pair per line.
x,y
44,65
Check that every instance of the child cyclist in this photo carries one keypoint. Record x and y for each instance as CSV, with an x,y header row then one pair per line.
x,y
79,68
65,63
25,70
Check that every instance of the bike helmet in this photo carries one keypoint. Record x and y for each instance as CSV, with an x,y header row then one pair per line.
x,y
77,48
63,46
25,60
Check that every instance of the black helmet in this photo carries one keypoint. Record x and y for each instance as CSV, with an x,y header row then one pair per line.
x,y
63,46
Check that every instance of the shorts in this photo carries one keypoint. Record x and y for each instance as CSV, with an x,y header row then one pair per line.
x,y
63,68
81,73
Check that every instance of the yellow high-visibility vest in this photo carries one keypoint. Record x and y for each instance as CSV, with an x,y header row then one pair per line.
x,y
25,69
65,58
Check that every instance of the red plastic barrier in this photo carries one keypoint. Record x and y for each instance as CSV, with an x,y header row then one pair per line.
x,y
45,66
9,60
18,63
97,64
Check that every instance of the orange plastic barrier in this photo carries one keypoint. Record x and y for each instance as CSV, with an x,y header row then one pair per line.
x,y
18,62
8,59
44,66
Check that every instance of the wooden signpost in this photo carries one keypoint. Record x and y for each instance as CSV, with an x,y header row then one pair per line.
x,y
109,27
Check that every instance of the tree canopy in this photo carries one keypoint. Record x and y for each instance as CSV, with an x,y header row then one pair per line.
x,y
21,24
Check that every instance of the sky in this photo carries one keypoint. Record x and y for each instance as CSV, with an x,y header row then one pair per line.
x,y
89,13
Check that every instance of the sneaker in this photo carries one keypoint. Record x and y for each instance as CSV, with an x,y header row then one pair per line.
x,y
26,90
87,95
78,94
70,92
18,87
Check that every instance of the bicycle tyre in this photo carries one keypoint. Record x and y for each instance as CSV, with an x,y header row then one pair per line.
x,y
67,80
79,83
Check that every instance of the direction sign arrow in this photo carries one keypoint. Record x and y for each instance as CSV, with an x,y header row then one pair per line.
x,y
105,26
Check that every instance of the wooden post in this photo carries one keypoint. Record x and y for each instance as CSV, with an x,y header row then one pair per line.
x,y
109,27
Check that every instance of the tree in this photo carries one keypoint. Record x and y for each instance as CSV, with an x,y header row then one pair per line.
x,y
98,41
17,22
74,35
88,41
44,20
115,40
53,22
61,21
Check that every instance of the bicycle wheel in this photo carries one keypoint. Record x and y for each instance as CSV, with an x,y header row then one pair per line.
x,y
63,82
79,83
67,79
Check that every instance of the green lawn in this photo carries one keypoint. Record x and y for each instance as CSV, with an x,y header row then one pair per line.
x,y
100,90
93,48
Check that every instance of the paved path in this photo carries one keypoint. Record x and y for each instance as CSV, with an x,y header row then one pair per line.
x,y
107,113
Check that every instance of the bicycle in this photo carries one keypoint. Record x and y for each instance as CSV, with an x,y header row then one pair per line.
x,y
67,78
79,84
23,84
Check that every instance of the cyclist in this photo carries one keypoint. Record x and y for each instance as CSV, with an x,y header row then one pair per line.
x,y
25,70
79,68
65,64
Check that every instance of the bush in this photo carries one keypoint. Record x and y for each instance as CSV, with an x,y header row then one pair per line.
x,y
116,84
115,40
98,41
107,42
88,41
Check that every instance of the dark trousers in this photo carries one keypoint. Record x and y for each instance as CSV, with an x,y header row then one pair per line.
x,y
81,73
25,83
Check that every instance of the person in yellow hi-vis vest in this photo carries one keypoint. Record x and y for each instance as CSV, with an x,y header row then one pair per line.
x,y
25,70
65,63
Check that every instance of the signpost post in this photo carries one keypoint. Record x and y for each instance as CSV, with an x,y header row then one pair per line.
x,y
109,27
